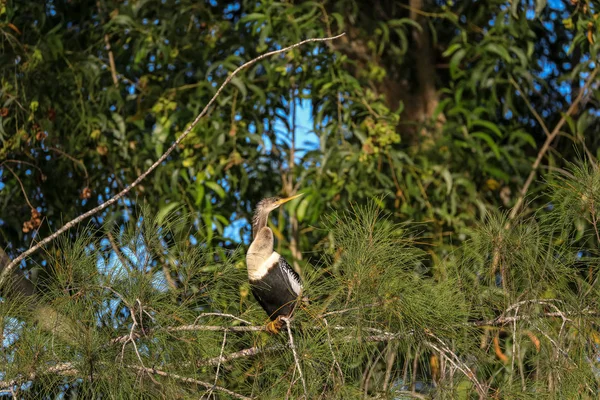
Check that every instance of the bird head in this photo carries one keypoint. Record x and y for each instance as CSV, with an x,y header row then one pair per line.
x,y
264,207
271,203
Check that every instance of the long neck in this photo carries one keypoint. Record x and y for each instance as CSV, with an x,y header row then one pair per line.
x,y
261,216
259,251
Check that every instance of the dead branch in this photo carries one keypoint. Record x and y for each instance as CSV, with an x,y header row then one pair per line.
x,y
66,368
193,381
296,360
217,328
453,358
249,352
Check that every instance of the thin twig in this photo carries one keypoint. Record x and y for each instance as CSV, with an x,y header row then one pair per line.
x,y
6,272
76,161
249,352
207,385
415,365
352,309
217,328
558,348
23,162
514,345
218,364
414,395
117,251
456,361
335,361
111,61
296,360
378,335
564,315
216,314
24,194
390,360
66,368
533,111
515,210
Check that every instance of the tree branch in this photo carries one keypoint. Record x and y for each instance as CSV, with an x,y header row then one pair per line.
x,y
111,61
66,368
161,159
217,328
296,360
456,361
189,380
249,352
550,138
503,319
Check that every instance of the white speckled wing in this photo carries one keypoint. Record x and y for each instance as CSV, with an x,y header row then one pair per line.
x,y
293,277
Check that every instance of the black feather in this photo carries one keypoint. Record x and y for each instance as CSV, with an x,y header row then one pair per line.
x,y
274,291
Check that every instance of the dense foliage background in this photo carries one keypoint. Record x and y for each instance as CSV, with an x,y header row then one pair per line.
x,y
474,121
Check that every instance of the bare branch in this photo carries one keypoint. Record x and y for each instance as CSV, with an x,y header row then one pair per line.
x,y
549,139
22,190
249,352
189,380
352,309
504,320
457,362
118,252
218,366
66,368
335,361
216,314
414,395
216,328
533,111
296,360
5,273
111,61
377,335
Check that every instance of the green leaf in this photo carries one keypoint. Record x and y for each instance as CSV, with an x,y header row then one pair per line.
x,y
451,49
120,123
455,62
448,178
539,6
490,142
237,82
499,50
253,17
397,23
487,124
339,19
302,207
524,136
216,188
164,211
520,55
583,123
121,19
514,8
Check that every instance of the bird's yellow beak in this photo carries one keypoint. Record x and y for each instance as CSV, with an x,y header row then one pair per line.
x,y
285,200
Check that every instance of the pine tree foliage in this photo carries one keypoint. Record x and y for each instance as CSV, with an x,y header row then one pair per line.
x,y
162,315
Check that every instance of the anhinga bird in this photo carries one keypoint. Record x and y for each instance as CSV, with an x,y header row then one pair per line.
x,y
275,284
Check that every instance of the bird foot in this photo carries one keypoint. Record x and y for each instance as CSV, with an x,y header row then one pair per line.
x,y
274,327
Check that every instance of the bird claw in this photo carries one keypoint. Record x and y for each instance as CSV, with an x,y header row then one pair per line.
x,y
274,327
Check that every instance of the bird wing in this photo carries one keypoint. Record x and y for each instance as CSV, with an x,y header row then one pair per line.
x,y
292,276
